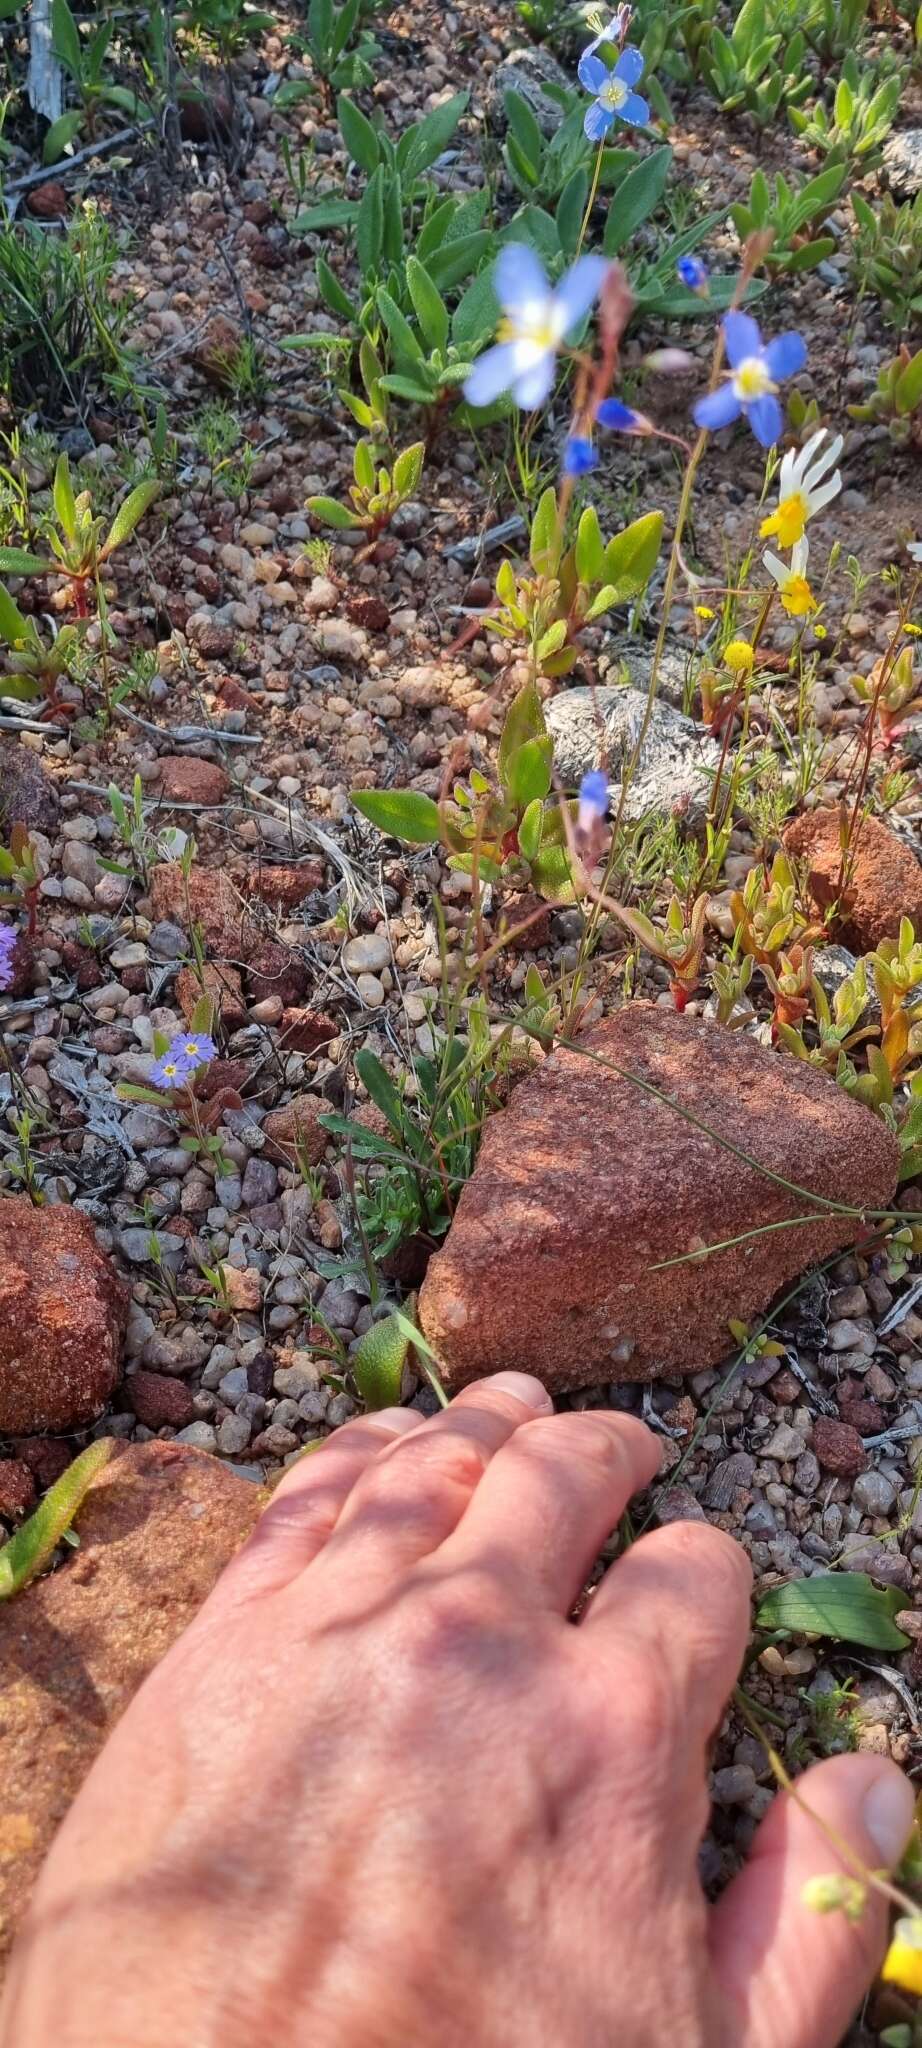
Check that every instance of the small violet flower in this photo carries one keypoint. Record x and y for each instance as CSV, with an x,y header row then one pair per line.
x,y
756,368
196,1051
8,940
693,273
613,96
538,318
593,800
170,1072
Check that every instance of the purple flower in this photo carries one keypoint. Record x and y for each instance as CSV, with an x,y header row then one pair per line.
x,y
613,95
693,273
538,317
756,368
195,1049
170,1071
9,937
593,800
579,456
622,419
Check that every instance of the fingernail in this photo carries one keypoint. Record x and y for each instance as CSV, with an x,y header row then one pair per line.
x,y
394,1421
888,1812
525,1389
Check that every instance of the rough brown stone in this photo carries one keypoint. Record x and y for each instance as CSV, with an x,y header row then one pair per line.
x,y
885,884
48,202
156,1529
282,887
306,1030
273,970
217,353
838,1447
184,779
27,794
63,1312
295,1129
17,1488
158,1400
222,984
213,640
588,1184
212,901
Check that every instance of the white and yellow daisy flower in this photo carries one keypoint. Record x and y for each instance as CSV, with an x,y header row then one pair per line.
x,y
801,489
791,578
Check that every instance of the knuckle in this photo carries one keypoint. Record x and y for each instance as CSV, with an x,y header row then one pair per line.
x,y
444,1622
428,1467
576,1439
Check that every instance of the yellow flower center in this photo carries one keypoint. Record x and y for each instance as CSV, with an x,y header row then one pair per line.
x,y
738,657
797,597
751,379
789,521
531,324
614,94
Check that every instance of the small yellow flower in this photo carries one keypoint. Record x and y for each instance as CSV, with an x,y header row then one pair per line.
x,y
819,632
738,657
903,1960
703,611
836,1895
917,630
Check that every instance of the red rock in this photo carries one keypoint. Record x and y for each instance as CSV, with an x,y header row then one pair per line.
x,y
210,901
282,887
21,967
268,254
222,984
886,879
258,211
46,1456
63,1312
48,202
370,611
28,796
156,1529
784,1388
273,970
864,1415
295,1130
233,695
588,1184
205,116
839,1448
184,779
514,913
158,1400
85,965
222,1077
213,640
306,1030
216,356
17,1488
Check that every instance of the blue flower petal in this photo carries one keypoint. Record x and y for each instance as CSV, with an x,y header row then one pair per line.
x,y
620,418
692,272
534,386
635,111
742,337
785,355
519,277
629,66
579,289
579,456
491,375
591,71
597,122
593,791
717,408
765,418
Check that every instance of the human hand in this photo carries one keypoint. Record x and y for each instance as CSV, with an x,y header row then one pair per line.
x,y
382,1793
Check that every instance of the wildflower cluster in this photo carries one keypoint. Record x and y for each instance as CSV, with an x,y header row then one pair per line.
x,y
183,1057
8,941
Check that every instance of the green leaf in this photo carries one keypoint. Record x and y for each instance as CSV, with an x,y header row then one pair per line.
x,y
590,548
62,132
524,129
14,629
16,562
477,313
531,828
455,260
326,214
65,38
570,208
363,464
130,514
377,1363
408,469
63,495
21,689
369,224
400,813
908,393
377,1081
421,145
404,387
602,602
358,135
393,243
428,304
529,776
631,557
331,513
546,535
636,198
406,345
808,256
332,292
843,1605
33,1544
524,721
843,105
550,872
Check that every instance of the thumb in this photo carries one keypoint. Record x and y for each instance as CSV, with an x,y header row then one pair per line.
x,y
794,1976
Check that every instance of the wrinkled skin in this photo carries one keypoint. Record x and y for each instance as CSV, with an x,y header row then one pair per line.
x,y
382,1792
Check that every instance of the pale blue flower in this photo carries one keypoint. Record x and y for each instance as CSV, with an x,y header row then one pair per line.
x,y
537,318
620,418
195,1048
613,96
693,273
756,369
8,939
171,1071
579,456
593,799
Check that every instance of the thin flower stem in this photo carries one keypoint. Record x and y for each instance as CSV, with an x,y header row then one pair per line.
x,y
593,189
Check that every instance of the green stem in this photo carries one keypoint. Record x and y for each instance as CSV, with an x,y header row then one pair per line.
x,y
593,189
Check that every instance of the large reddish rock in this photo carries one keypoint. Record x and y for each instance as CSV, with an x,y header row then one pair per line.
x,y
885,882
27,794
156,1529
588,1184
281,887
185,779
159,1401
222,984
63,1312
295,1132
208,900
